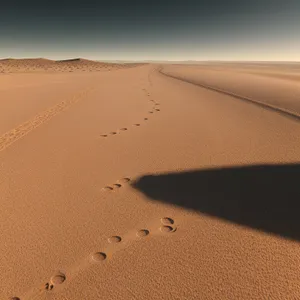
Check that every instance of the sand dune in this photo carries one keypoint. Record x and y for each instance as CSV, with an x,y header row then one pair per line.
x,y
257,87
148,182
47,65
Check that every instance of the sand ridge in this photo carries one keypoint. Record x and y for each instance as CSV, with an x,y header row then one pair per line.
x,y
46,65
281,110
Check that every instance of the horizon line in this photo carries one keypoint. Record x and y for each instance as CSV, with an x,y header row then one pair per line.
x,y
152,60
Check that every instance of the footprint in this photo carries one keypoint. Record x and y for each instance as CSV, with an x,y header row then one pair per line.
x,y
58,279
150,112
107,188
146,119
49,286
103,135
113,133
114,239
99,256
123,129
124,180
167,221
137,124
117,185
167,229
142,233
157,109
15,298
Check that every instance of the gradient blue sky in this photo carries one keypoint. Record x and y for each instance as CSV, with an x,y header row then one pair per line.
x,y
151,30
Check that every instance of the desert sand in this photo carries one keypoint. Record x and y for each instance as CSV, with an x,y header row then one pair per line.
x,y
149,181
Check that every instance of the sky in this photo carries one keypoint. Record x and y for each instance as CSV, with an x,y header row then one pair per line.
x,y
259,30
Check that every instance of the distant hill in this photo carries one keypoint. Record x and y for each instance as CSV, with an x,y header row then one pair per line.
x,y
12,65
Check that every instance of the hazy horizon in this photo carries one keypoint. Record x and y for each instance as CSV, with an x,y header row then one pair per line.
x,y
149,60
263,30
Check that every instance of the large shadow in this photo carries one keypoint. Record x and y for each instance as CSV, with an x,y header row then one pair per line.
x,y
264,197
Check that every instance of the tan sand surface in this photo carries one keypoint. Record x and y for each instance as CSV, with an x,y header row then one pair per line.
x,y
132,184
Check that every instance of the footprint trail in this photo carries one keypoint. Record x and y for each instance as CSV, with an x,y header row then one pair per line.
x,y
123,129
110,247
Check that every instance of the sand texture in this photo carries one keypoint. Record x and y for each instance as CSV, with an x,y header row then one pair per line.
x,y
33,65
149,181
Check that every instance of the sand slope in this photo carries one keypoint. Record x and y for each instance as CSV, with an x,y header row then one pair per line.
x,y
130,184
37,65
